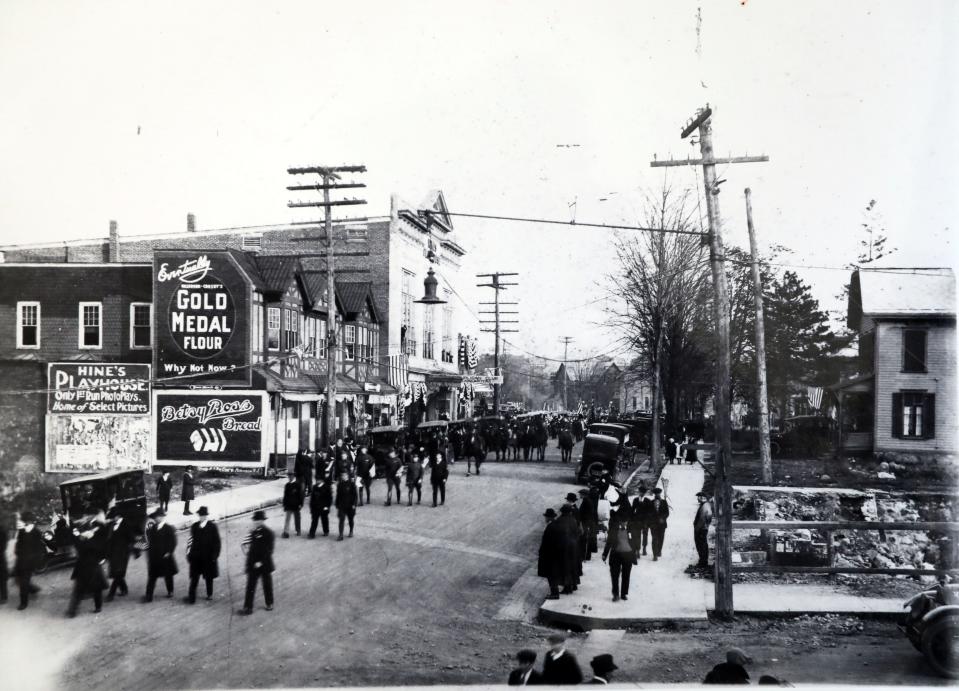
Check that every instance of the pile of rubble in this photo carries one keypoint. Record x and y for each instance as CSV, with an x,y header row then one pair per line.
x,y
854,548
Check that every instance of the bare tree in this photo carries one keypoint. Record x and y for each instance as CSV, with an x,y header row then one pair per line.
x,y
662,286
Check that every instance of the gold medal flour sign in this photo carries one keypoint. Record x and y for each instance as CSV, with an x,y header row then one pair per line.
x,y
201,305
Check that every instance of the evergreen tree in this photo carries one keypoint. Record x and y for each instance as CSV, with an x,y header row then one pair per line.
x,y
799,342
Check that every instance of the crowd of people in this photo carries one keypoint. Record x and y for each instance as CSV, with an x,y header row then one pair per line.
x,y
632,530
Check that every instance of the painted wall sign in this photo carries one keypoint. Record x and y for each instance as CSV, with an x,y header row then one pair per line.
x,y
212,428
84,388
201,308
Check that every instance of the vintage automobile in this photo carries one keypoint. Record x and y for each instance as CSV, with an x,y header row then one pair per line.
x,y
600,452
382,440
82,497
611,429
427,434
932,626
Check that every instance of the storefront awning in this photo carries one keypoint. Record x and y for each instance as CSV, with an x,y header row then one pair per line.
x,y
302,383
300,396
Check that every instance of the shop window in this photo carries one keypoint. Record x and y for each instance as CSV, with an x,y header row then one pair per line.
x,y
28,325
91,325
141,322
273,328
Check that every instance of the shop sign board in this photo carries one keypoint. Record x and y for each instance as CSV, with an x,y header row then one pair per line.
x,y
97,444
211,429
201,318
98,388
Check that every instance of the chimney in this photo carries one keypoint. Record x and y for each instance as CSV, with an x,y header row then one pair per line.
x,y
114,255
190,223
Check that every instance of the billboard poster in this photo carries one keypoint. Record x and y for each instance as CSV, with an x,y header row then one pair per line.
x,y
211,429
102,443
101,388
201,315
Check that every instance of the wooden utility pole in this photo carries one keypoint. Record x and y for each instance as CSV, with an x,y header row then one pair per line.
x,y
328,175
566,342
723,491
497,285
764,453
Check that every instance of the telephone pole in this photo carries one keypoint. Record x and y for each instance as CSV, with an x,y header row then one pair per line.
x,y
566,342
497,285
330,177
764,453
723,491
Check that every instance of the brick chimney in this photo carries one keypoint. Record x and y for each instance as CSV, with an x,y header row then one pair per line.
x,y
190,223
114,255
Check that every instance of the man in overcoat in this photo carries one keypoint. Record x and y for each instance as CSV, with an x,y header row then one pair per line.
x,y
292,503
321,499
640,519
392,470
560,667
202,554
120,541
622,557
414,478
346,500
658,515
164,487
439,472
187,493
303,470
701,521
161,563
552,554
589,519
573,545
365,472
259,563
30,555
88,578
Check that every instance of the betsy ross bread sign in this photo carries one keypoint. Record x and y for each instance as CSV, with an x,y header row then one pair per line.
x,y
222,429
201,307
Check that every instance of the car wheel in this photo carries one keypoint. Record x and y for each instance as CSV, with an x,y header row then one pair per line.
x,y
940,645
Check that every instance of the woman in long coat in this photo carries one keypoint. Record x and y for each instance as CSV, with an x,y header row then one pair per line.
x,y
88,578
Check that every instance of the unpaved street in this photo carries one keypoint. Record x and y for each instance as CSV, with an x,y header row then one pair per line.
x,y
418,596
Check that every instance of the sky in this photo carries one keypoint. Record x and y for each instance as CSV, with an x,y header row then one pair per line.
x,y
142,112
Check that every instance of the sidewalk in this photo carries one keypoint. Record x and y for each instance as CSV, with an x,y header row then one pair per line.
x,y
227,503
661,591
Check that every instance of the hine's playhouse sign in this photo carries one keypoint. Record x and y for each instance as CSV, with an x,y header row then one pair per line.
x,y
201,306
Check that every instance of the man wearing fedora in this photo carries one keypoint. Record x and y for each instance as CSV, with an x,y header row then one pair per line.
x,y
658,515
161,543
187,492
603,667
560,667
30,554
259,562
321,499
392,471
552,554
572,534
87,576
202,553
704,516
525,675
120,540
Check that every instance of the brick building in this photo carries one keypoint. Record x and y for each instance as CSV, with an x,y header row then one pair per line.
x,y
398,359
94,316
904,399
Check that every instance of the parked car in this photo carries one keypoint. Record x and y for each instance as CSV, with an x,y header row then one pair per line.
x,y
382,440
932,626
600,452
